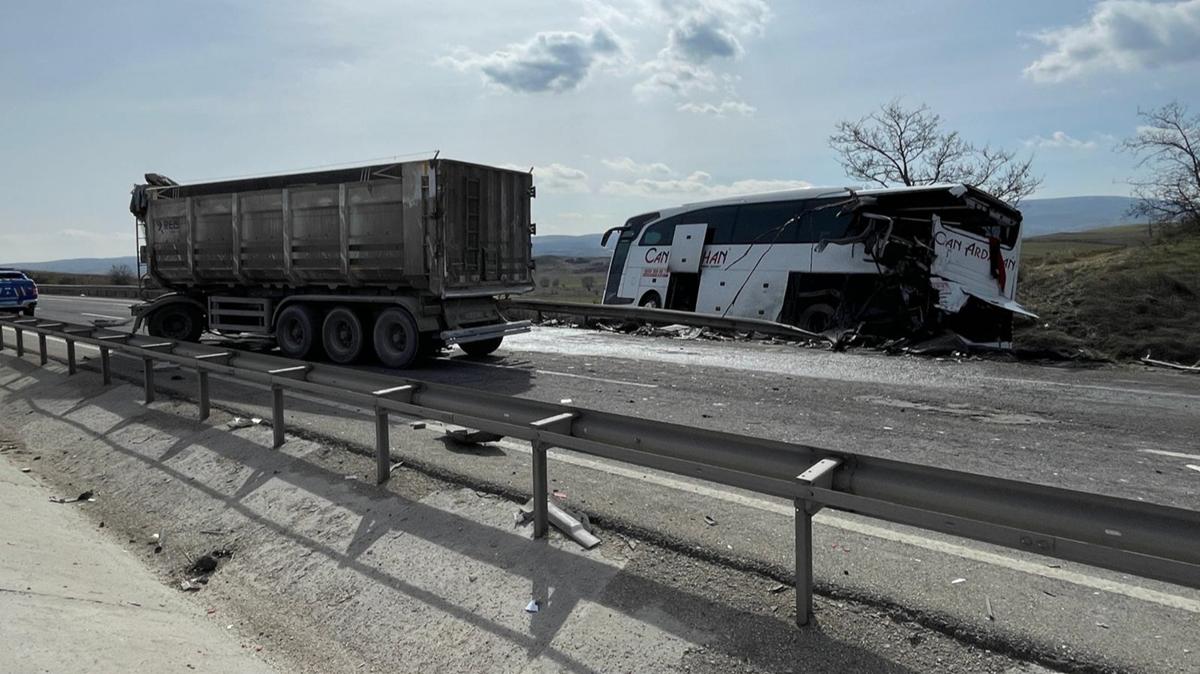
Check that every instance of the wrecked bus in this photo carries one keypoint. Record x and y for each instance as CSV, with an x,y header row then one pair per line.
x,y
905,261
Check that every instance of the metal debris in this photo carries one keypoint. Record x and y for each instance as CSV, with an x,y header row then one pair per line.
x,y
1173,366
88,495
533,606
471,436
711,522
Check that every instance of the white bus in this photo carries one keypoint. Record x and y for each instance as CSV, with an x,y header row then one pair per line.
x,y
896,261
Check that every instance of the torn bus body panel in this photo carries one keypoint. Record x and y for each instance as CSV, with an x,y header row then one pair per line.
x,y
946,259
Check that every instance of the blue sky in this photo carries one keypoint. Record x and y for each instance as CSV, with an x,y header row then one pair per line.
x,y
621,105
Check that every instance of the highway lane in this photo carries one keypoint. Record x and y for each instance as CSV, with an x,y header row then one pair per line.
x,y
1126,431
796,393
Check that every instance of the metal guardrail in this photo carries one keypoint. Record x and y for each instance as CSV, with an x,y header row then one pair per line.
x,y
1153,541
130,292
661,317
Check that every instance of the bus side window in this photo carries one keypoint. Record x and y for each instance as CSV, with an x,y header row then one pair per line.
x,y
661,233
824,223
720,221
764,222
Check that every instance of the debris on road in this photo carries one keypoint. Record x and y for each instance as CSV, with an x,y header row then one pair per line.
x,y
778,588
88,495
533,606
711,522
26,470
1168,364
522,517
242,422
471,436
988,603
560,495
158,540
956,581
416,425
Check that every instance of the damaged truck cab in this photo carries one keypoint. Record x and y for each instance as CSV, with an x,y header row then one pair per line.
x,y
891,262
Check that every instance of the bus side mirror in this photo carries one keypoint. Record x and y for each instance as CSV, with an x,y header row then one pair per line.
x,y
604,239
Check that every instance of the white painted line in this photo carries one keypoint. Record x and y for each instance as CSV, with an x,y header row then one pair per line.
x,y
1176,455
115,318
77,298
1195,468
554,373
1096,387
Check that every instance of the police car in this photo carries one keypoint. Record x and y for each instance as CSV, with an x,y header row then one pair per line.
x,y
18,292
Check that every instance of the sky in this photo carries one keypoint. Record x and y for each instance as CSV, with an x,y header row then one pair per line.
x,y
619,106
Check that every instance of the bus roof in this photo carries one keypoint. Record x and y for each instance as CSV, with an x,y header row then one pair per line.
x,y
955,189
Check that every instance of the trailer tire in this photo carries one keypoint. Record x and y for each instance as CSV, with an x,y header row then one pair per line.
x,y
342,335
296,331
396,338
481,348
178,321
28,311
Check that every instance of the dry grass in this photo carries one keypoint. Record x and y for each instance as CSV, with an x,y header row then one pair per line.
x,y
1122,299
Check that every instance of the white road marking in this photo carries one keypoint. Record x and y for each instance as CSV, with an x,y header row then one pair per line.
x,y
831,519
102,300
114,318
552,373
1177,455
1097,387
1195,468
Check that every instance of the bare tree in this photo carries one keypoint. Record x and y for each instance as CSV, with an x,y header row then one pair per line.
x,y
1167,146
120,275
901,146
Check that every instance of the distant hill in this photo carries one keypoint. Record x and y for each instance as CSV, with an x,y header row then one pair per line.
x,y
80,265
1074,214
586,245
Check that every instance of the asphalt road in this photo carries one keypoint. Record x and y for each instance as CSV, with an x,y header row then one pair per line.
x,y
1125,431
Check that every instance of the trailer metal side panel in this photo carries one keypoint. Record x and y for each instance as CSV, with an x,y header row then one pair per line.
x,y
447,227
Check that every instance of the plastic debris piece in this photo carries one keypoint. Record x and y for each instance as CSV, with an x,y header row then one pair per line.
x,y
988,603
521,517
1102,625
560,495
956,581
566,401
777,589
26,470
533,606
416,425
189,586
711,522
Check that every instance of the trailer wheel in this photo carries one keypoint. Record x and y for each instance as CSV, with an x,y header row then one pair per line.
x,y
296,331
178,321
342,335
397,341
28,311
481,348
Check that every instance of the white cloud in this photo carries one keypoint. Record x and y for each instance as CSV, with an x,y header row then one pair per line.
x,y
627,165
701,33
719,109
555,61
697,185
1122,35
559,179
1061,140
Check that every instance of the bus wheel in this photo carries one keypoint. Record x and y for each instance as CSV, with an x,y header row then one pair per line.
x,y
342,335
296,331
651,300
816,318
482,347
178,321
397,342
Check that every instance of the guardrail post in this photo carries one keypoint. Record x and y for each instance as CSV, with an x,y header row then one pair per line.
x,y
70,356
42,348
820,474
105,366
148,378
20,342
541,516
277,415
1,337
383,454
202,401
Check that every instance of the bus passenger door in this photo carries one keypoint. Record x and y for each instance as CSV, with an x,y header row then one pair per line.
x,y
687,248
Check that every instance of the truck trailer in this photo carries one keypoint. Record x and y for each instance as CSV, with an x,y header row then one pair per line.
x,y
399,260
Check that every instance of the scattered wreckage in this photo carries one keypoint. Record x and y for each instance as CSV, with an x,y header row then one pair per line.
x,y
911,263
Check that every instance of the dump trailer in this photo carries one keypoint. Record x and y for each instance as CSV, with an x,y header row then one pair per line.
x,y
399,260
